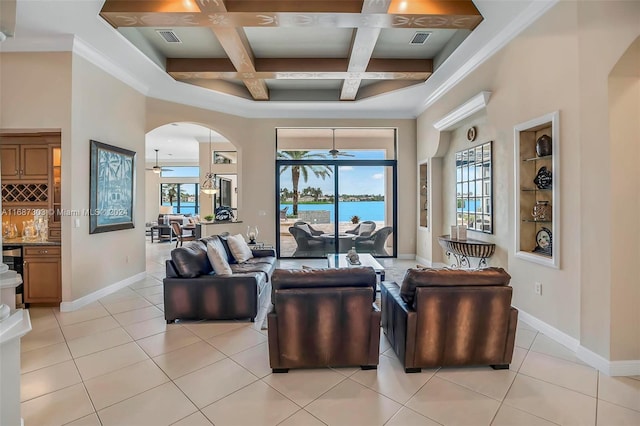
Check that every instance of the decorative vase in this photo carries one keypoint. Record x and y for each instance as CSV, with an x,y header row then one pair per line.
x,y
252,234
541,211
352,256
543,146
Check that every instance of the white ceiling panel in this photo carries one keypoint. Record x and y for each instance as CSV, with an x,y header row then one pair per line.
x,y
394,43
196,42
299,42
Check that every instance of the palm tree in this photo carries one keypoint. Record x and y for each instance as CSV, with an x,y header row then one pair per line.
x,y
171,192
303,170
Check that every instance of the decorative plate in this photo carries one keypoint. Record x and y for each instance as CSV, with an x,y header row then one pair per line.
x,y
544,241
543,179
471,134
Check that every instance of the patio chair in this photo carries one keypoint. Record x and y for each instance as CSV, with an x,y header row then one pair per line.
x,y
374,243
315,232
368,226
308,245
283,213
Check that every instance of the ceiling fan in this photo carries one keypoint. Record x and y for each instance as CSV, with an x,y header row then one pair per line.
x,y
157,169
334,152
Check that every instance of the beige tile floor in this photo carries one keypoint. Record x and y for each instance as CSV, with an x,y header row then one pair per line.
x,y
117,362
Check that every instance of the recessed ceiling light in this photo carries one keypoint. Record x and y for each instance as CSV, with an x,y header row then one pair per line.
x,y
174,124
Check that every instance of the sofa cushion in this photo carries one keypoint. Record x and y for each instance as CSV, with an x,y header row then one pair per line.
x,y
239,248
218,258
305,228
191,260
366,229
431,277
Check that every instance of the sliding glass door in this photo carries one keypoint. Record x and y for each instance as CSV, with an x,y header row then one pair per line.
x,y
329,202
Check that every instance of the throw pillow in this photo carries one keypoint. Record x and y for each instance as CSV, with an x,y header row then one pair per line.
x,y
366,229
239,248
218,260
305,228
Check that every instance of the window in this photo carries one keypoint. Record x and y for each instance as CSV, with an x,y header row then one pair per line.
x,y
180,171
183,197
473,188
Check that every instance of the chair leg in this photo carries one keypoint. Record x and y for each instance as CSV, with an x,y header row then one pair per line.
x,y
279,370
500,366
412,370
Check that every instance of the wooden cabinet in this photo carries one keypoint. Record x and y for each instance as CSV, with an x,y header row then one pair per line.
x,y
42,274
537,207
25,162
10,157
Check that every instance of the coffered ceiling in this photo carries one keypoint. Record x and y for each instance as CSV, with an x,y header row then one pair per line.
x,y
295,50
138,56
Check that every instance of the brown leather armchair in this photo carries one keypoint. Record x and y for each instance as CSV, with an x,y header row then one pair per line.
x,y
446,317
322,318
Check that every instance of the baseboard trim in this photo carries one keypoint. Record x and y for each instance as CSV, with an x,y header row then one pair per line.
x,y
92,297
407,256
610,368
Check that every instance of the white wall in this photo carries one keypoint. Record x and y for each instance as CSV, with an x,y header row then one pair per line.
x,y
560,63
624,199
106,110
63,91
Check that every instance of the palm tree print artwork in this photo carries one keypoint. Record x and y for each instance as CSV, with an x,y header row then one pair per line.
x,y
112,188
302,171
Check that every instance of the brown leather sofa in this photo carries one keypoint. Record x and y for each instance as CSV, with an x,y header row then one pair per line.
x,y
322,318
445,317
192,291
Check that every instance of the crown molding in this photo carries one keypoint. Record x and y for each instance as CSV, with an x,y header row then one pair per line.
x,y
473,105
87,52
535,10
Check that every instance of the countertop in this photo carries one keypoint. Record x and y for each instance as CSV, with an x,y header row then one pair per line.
x,y
20,242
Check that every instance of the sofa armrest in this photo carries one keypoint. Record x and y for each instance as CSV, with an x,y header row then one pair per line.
x,y
374,343
263,252
398,322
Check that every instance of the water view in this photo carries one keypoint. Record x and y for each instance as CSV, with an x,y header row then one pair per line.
x,y
365,210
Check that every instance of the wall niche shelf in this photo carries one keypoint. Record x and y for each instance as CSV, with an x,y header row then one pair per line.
x,y
537,239
424,199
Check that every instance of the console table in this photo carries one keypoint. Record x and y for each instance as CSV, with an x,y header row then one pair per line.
x,y
462,250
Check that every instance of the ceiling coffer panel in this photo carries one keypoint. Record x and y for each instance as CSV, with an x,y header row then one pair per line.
x,y
211,43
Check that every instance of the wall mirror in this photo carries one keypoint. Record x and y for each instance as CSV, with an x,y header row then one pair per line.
x,y
474,192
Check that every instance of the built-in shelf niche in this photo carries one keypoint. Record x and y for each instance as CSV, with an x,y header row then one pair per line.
x,y
424,199
527,193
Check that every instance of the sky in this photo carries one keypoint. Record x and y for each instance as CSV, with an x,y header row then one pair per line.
x,y
353,179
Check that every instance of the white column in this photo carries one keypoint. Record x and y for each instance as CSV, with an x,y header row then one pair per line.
x,y
11,331
13,325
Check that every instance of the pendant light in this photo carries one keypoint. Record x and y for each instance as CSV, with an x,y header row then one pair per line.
x,y
209,186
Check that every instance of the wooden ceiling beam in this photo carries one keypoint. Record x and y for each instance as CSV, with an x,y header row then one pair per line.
x,y
362,45
287,75
310,66
127,18
235,44
299,6
211,5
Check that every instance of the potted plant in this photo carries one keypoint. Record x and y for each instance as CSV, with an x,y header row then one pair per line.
x,y
355,219
209,218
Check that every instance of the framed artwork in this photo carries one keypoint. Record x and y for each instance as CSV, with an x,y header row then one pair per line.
x,y
112,188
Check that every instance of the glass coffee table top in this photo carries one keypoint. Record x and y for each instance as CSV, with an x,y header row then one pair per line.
x,y
339,260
